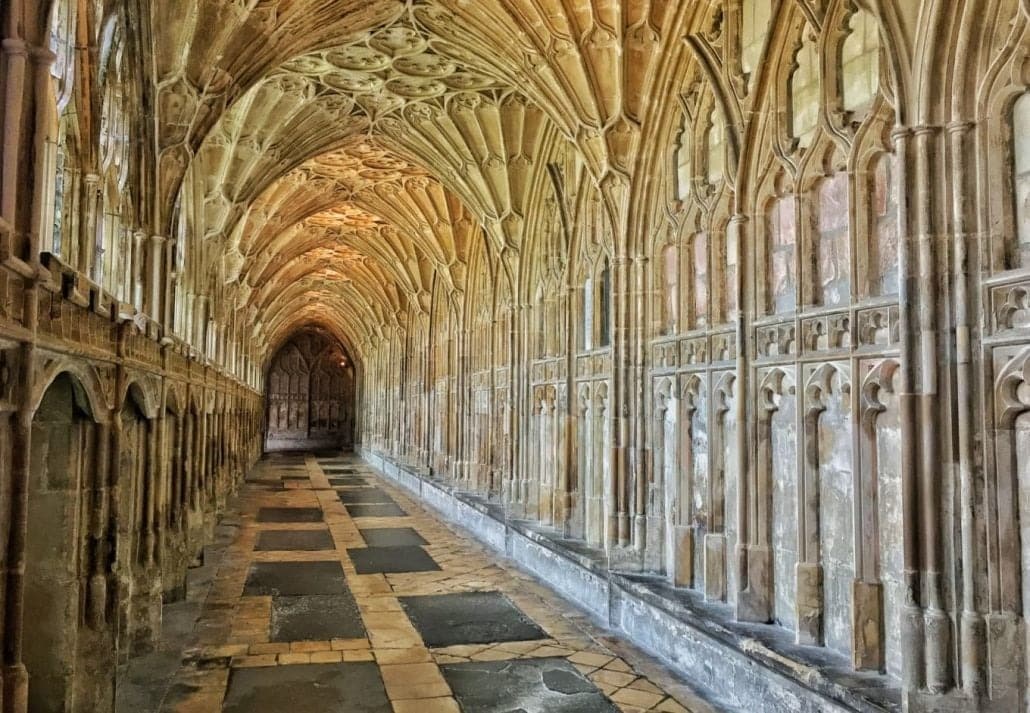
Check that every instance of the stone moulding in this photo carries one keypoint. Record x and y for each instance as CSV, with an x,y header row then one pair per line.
x,y
698,640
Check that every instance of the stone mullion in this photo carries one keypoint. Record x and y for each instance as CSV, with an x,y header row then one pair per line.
x,y
153,285
150,486
525,408
191,473
515,365
930,466
463,411
753,556
101,515
972,630
639,405
563,494
618,531
14,694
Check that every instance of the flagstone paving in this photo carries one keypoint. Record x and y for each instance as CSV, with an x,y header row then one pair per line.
x,y
324,600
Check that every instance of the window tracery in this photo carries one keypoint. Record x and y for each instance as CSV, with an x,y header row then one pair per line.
x,y
860,62
1021,177
805,88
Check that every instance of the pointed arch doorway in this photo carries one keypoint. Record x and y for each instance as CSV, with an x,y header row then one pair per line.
x,y
310,394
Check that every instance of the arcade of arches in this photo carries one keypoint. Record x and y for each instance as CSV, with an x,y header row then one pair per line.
x,y
724,304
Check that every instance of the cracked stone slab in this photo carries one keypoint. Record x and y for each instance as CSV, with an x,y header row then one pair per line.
x,y
294,578
469,618
376,510
392,537
294,540
392,560
316,618
364,495
353,687
524,686
289,515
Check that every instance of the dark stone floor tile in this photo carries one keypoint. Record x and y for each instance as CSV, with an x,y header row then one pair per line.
x,y
316,618
364,495
294,578
348,481
307,688
286,540
547,685
392,560
469,618
392,537
289,515
376,510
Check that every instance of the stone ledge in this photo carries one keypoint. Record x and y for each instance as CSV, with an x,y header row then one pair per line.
x,y
698,639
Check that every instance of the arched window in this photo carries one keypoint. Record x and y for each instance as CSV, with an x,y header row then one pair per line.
x,y
754,26
670,288
684,161
1021,169
586,339
716,153
804,91
62,73
860,62
830,230
782,232
114,246
605,306
883,248
699,277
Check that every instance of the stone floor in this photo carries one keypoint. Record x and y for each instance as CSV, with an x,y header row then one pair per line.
x,y
330,590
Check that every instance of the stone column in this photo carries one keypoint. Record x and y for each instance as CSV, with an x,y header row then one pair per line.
x,y
137,270
928,401
92,262
15,52
753,550
639,406
101,516
619,528
15,676
156,279
972,628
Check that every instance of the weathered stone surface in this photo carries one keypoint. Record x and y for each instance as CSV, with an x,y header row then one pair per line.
x,y
546,684
470,618
307,688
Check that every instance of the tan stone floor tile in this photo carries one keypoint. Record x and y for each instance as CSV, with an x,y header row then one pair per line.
x,y
618,665
395,656
349,644
309,646
427,705
670,706
590,659
633,697
642,684
287,659
417,690
358,656
327,656
270,648
615,678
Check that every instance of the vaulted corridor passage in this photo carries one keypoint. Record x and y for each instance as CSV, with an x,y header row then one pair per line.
x,y
712,315
329,589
